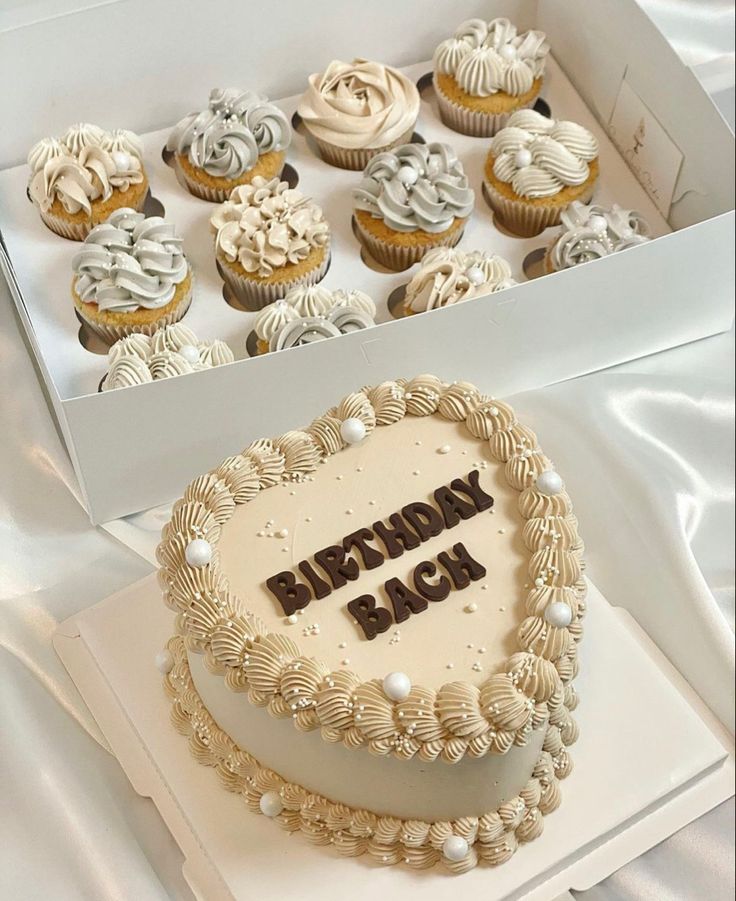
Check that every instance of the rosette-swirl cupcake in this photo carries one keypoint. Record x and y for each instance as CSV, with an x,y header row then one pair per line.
x,y
355,110
485,72
411,199
79,179
239,136
591,232
447,275
270,238
130,276
536,168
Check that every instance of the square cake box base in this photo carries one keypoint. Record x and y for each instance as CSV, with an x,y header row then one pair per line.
x,y
650,759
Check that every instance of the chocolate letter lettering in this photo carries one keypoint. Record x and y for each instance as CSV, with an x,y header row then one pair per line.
x,y
462,570
333,562
370,618
473,490
397,539
403,600
371,557
292,595
431,592
425,520
453,508
320,588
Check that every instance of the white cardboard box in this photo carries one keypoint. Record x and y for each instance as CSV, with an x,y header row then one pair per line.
x,y
146,64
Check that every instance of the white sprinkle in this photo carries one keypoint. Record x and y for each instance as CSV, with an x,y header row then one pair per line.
x,y
477,667
345,661
502,609
359,469
260,534
481,650
471,607
416,472
339,478
445,449
418,443
372,503
343,644
282,533
291,619
349,511
502,531
484,588
470,645
284,550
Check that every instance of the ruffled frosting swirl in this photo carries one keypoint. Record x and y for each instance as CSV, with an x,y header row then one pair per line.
x,y
129,262
226,138
488,57
590,232
538,156
416,186
84,165
266,225
362,104
447,276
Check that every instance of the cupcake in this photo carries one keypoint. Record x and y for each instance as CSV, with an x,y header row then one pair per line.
x,y
590,232
131,276
239,137
79,179
411,199
536,168
311,314
355,110
170,351
270,238
447,276
486,72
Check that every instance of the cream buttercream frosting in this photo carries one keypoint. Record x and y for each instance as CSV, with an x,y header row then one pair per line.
x,y
416,187
266,225
590,232
539,156
226,138
86,164
130,262
362,104
448,275
488,57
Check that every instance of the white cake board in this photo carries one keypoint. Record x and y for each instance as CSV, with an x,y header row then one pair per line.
x,y
650,759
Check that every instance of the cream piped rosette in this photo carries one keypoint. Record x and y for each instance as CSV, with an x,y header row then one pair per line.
x,y
79,179
447,276
355,110
531,690
269,239
591,232
536,167
485,72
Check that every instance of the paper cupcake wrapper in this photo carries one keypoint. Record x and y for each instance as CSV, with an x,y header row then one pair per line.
x,y
110,334
204,192
356,159
78,231
471,122
525,219
399,257
257,295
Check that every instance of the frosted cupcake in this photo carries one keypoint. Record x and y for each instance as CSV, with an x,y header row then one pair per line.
x,y
355,110
131,276
410,200
486,72
239,136
536,168
270,238
591,232
79,179
447,276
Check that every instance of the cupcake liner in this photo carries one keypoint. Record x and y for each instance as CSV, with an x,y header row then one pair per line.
x,y
111,333
259,294
399,257
356,159
208,192
471,122
78,231
525,219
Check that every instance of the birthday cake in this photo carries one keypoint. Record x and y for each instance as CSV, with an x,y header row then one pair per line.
x,y
377,627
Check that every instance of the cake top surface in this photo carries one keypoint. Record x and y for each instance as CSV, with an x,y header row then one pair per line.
x,y
403,573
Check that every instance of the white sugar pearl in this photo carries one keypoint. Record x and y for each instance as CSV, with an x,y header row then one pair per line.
x,y
396,686
548,483
475,275
271,804
558,614
121,160
164,661
407,175
597,224
190,353
523,158
507,52
455,848
198,552
352,431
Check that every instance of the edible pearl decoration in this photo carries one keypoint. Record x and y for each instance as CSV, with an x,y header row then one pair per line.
x,y
164,661
475,275
396,686
548,483
190,353
598,224
121,160
198,552
455,848
558,614
352,431
271,804
507,52
523,158
407,175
